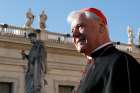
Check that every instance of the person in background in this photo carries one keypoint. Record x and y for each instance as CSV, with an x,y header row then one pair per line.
x,y
109,70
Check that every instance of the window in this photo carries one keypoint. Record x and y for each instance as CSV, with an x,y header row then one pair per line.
x,y
5,87
65,88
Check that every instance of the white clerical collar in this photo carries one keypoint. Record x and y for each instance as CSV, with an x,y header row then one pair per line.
x,y
101,47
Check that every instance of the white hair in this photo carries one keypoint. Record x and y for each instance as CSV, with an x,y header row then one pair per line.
x,y
73,15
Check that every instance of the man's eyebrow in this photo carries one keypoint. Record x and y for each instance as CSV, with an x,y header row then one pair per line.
x,y
80,24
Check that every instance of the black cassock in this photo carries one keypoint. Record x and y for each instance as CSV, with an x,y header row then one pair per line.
x,y
114,72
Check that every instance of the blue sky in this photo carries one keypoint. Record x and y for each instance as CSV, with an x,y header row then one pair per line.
x,y
119,13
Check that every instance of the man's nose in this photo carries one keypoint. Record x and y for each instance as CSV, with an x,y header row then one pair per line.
x,y
76,33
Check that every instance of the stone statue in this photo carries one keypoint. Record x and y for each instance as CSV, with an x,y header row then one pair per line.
x,y
30,18
36,70
43,18
130,35
139,36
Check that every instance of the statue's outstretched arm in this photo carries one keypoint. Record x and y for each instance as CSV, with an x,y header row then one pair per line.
x,y
24,55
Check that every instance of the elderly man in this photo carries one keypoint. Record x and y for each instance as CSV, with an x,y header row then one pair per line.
x,y
111,70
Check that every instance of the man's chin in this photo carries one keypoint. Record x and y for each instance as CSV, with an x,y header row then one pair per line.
x,y
81,50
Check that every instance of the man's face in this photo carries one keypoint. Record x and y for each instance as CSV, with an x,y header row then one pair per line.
x,y
85,34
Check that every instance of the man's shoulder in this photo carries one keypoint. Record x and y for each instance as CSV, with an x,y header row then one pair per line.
x,y
124,58
119,57
123,54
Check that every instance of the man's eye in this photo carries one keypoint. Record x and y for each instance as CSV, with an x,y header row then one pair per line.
x,y
72,30
79,26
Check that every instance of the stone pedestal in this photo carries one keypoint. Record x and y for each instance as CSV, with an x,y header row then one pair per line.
x,y
42,35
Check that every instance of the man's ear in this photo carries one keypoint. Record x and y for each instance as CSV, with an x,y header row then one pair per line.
x,y
102,28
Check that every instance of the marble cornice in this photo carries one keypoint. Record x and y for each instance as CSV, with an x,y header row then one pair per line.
x,y
65,73
55,50
52,47
60,66
66,62
55,43
14,42
14,45
12,61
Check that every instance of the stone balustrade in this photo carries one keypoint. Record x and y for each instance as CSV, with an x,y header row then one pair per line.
x,y
10,32
13,31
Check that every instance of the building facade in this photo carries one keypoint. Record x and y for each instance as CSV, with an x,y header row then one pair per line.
x,y
64,64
